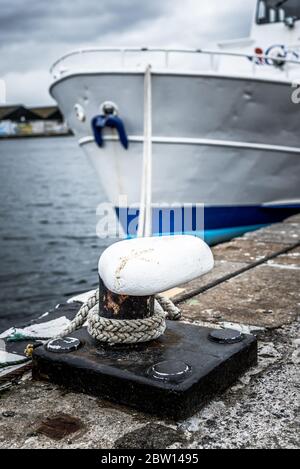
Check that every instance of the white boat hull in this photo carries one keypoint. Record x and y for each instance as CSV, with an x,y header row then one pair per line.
x,y
218,140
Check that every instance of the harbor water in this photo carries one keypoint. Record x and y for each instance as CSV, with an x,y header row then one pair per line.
x,y
48,244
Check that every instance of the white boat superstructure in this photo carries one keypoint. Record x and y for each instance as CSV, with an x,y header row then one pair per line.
x,y
225,127
242,62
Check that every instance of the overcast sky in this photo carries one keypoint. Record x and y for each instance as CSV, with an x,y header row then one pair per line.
x,y
34,33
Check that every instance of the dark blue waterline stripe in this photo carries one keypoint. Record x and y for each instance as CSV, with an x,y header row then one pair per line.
x,y
214,224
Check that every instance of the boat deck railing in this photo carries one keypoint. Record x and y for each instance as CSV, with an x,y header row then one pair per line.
x,y
110,58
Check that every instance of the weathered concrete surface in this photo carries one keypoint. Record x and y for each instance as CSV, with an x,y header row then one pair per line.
x,y
266,293
217,275
260,411
289,260
242,254
248,251
281,233
264,296
294,219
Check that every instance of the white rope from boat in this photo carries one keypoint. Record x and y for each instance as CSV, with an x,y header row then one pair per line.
x,y
131,331
134,330
145,215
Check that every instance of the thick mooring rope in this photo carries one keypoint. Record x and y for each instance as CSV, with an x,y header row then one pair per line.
x,y
145,215
132,331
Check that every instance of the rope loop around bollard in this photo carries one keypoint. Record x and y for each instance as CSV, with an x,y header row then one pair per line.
x,y
116,331
132,331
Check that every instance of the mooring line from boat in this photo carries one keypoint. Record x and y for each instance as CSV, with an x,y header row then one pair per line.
x,y
131,331
170,311
145,215
134,330
110,331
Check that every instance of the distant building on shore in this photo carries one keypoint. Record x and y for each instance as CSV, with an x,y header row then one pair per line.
x,y
21,121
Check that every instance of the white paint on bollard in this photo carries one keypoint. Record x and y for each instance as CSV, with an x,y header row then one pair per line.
x,y
147,266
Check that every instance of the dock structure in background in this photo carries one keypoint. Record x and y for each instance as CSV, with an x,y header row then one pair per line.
x,y
20,121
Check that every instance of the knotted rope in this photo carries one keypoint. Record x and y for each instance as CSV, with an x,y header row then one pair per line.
x,y
132,331
114,331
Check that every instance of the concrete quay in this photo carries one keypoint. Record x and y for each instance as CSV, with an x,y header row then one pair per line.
x,y
255,288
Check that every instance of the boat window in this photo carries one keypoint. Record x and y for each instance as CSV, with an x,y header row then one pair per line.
x,y
277,11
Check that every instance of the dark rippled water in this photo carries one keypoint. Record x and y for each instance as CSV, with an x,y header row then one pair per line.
x,y
48,244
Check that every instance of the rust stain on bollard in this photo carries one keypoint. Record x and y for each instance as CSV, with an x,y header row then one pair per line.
x,y
113,306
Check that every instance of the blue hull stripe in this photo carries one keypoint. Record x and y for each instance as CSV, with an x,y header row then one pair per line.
x,y
220,223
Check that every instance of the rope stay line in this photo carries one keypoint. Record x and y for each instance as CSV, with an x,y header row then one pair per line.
x,y
145,216
134,330
130,331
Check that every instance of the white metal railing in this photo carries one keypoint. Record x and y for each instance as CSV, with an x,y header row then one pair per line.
x,y
58,69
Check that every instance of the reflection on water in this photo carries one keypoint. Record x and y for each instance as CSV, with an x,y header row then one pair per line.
x,y
48,244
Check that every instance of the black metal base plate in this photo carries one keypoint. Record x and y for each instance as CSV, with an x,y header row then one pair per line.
x,y
172,377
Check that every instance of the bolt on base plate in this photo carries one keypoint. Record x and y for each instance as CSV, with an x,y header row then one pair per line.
x,y
172,377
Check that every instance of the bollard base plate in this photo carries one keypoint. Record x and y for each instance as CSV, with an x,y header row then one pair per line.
x,y
171,377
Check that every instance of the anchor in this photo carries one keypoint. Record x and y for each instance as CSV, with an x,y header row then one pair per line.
x,y
127,343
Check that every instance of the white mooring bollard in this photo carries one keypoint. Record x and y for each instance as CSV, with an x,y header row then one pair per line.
x,y
129,353
148,266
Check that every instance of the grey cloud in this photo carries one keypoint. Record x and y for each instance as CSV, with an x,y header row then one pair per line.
x,y
34,33
73,20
